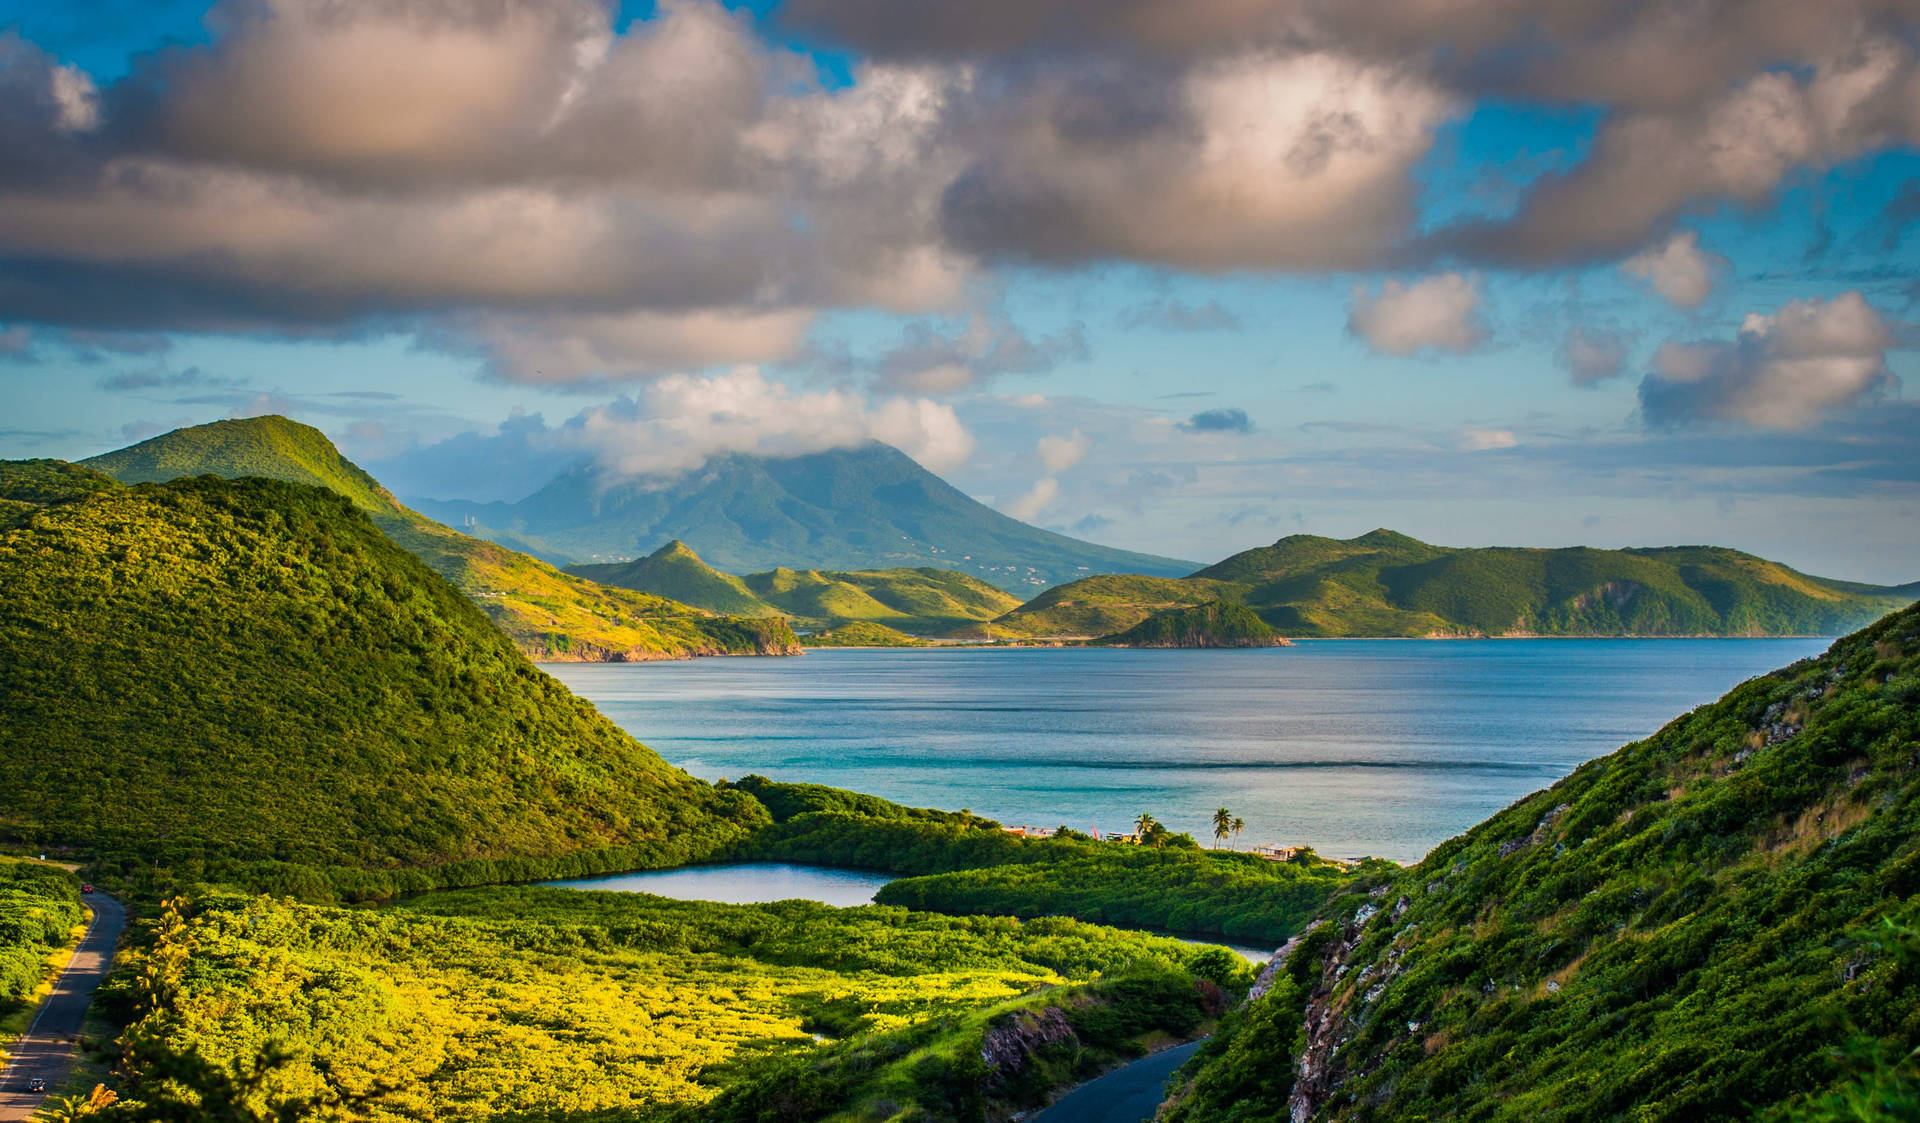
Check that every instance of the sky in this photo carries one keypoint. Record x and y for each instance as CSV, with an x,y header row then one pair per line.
x,y
1177,277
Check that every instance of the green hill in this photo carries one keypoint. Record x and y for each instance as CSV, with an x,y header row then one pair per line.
x,y
551,615
1386,584
861,633
1213,624
248,678
912,600
866,508
1708,924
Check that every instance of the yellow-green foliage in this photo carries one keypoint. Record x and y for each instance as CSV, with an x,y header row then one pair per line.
x,y
861,633
1100,606
918,601
549,614
209,672
39,909
521,1003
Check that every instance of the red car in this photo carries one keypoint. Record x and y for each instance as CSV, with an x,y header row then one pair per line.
x,y
86,888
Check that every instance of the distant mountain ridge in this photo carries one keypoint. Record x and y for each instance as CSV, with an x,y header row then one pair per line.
x,y
1387,584
864,508
920,601
549,614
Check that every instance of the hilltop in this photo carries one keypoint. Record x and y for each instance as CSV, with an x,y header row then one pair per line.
x,y
863,508
249,679
550,614
1689,928
1387,584
917,601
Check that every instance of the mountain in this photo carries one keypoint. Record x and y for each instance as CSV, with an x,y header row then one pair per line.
x,y
246,679
1718,922
1387,584
846,509
913,600
551,615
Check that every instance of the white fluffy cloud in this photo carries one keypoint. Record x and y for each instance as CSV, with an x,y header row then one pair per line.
x,y
1035,500
679,421
1782,371
1678,270
1439,313
1593,355
1060,452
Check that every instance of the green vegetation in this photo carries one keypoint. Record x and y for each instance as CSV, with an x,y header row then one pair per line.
x,y
39,910
549,614
861,633
964,864
1213,624
869,508
546,1003
1386,584
1695,927
920,601
247,680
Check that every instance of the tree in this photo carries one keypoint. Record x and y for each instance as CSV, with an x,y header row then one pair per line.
x,y
1238,826
1222,825
1143,826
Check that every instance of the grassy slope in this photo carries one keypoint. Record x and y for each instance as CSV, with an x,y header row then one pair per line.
x,y
1681,930
917,601
1213,624
861,633
553,1004
1386,584
249,675
550,614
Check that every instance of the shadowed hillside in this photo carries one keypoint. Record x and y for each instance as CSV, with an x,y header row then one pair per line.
x,y
1387,584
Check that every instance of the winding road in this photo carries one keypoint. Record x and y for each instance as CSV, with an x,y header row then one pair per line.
x,y
1128,1094
46,1050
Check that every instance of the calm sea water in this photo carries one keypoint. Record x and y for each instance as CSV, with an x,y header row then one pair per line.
x,y
1354,747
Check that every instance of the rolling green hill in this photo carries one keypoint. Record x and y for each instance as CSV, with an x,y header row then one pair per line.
x,y
551,615
1689,929
920,601
1213,624
1387,584
847,509
248,679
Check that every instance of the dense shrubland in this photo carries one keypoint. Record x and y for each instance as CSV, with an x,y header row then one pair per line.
x,y
39,910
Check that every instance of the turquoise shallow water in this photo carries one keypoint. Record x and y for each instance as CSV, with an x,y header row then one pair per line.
x,y
1355,747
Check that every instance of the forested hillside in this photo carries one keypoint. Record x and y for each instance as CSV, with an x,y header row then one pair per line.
x,y
550,614
1386,584
248,678
1709,924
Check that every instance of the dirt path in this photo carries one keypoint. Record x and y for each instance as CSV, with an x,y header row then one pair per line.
x,y
46,1050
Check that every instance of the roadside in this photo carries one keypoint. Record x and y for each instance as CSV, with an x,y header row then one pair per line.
x,y
46,1050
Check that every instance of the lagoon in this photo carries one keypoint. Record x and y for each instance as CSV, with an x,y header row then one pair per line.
x,y
745,883
1381,747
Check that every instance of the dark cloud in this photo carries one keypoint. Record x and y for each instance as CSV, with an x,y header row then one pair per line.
x,y
160,378
1225,420
932,359
1176,315
1591,356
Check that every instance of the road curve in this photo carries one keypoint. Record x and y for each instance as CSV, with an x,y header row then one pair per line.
x,y
46,1050
1128,1094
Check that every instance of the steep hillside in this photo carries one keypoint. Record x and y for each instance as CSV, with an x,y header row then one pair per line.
x,y
1213,624
846,509
551,615
913,600
248,678
1386,584
1688,929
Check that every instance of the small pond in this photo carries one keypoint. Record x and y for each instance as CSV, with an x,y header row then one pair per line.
x,y
745,883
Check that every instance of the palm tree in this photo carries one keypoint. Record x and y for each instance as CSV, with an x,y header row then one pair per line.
x,y
1144,825
1222,825
1238,826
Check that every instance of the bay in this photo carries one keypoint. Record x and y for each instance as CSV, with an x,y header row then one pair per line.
x,y
1354,747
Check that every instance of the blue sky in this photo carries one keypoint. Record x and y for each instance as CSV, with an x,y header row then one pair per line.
x,y
1176,288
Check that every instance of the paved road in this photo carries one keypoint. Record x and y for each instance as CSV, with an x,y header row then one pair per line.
x,y
47,1049
1128,1094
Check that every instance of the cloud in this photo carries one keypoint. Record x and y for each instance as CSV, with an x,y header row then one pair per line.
x,y
1175,315
929,360
1226,420
1678,270
678,422
1782,371
1438,313
1058,453
1487,440
160,378
562,348
1029,505
1593,355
